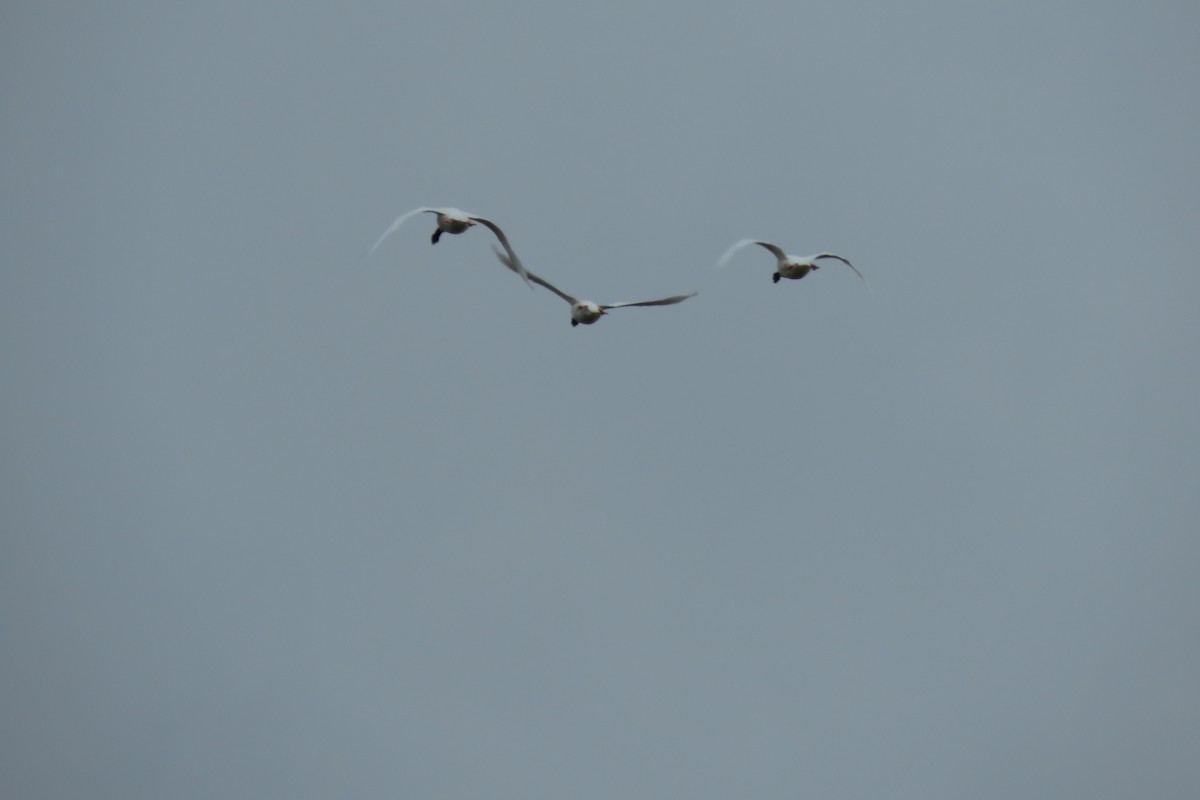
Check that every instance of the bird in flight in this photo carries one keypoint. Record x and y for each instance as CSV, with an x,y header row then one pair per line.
x,y
792,267
586,312
454,220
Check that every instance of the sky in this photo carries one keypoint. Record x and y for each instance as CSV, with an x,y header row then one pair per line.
x,y
281,520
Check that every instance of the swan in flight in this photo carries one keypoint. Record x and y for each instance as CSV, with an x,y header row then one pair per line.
x,y
454,220
585,311
793,267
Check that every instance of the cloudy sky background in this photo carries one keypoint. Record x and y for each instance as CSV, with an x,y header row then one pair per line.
x,y
283,521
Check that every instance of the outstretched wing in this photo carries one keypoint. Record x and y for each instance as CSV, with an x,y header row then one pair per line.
x,y
508,262
400,220
844,261
666,301
514,262
779,254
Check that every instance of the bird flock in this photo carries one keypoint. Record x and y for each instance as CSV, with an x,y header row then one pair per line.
x,y
586,312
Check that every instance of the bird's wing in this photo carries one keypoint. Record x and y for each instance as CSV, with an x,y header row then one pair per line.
x,y
540,281
839,258
400,220
739,245
666,301
516,264
775,249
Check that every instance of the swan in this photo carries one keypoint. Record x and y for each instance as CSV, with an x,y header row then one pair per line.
x,y
793,267
585,311
454,220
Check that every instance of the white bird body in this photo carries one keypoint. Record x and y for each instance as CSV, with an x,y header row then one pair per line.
x,y
788,266
586,312
454,220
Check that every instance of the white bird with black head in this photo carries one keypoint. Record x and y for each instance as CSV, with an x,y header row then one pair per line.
x,y
586,312
788,266
453,220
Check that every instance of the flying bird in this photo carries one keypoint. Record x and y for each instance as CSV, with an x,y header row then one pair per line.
x,y
454,220
793,267
585,311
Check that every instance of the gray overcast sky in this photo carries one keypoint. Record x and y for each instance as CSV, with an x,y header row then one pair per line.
x,y
283,522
